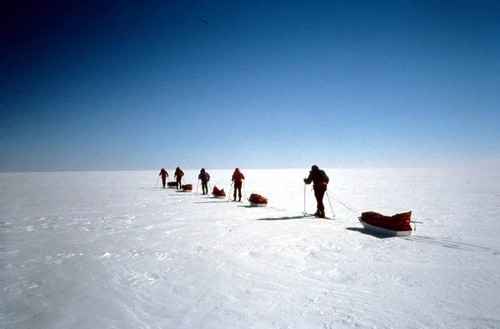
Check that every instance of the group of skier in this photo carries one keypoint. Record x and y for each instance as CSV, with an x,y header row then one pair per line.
x,y
316,176
177,176
204,177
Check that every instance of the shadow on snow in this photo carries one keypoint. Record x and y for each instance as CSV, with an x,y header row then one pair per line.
x,y
367,232
283,218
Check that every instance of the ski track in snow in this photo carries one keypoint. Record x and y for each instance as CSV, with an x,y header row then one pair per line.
x,y
105,250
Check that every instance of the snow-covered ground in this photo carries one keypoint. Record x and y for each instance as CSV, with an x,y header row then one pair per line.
x,y
114,250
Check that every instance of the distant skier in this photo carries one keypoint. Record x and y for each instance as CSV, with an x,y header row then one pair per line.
x,y
178,177
238,183
320,180
164,175
204,177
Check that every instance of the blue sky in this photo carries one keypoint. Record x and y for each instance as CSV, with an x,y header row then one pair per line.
x,y
129,85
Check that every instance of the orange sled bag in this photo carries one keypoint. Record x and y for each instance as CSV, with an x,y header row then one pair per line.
x,y
187,187
218,193
396,225
257,200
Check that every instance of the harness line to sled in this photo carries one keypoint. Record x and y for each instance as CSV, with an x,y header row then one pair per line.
x,y
352,211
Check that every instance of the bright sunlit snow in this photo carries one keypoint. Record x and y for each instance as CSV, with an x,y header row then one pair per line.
x,y
114,250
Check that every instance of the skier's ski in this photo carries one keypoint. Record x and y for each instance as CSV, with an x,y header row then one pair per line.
x,y
312,215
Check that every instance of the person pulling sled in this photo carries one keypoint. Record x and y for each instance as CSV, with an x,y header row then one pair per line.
x,y
164,175
204,177
320,180
178,177
238,183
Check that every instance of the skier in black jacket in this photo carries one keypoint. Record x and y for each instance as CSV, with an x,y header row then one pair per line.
x,y
204,177
320,180
178,176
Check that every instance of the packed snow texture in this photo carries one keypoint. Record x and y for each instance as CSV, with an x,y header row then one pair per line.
x,y
115,250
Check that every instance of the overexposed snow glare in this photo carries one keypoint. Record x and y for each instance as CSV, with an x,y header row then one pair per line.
x,y
116,250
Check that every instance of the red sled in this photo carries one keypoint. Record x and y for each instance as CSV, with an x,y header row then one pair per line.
x,y
396,225
218,193
257,200
187,187
172,184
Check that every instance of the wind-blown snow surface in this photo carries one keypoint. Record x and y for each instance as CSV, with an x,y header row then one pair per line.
x,y
114,250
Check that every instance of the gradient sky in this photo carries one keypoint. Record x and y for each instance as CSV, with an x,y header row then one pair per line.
x,y
117,85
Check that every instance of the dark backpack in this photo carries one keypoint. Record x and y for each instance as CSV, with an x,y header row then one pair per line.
x,y
205,177
324,177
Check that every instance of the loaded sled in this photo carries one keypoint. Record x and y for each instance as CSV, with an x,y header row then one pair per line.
x,y
396,225
172,184
257,200
218,193
187,187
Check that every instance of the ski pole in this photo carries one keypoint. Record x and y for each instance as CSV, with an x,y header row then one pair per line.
x,y
330,202
304,212
157,180
230,190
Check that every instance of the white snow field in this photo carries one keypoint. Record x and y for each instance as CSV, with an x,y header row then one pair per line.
x,y
114,250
